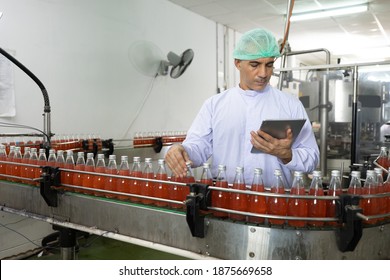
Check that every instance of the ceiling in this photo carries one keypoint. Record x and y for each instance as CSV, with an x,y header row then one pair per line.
x,y
354,38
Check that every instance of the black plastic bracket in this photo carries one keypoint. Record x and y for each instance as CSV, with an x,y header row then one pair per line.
x,y
351,230
158,145
198,199
50,177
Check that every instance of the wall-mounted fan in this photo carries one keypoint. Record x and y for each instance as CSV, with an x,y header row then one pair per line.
x,y
147,58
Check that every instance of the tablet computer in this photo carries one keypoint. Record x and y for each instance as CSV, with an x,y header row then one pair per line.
x,y
278,128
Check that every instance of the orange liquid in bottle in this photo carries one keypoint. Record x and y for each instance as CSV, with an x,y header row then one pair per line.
x,y
384,162
277,206
123,184
370,205
147,188
110,183
3,166
161,189
135,185
174,192
185,190
257,204
238,202
331,207
220,199
297,208
316,207
99,179
78,177
88,179
67,177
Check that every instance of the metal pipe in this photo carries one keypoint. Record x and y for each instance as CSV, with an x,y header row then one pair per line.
x,y
328,56
354,137
324,119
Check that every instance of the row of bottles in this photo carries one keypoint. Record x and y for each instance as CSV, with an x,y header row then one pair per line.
x,y
148,139
99,183
290,206
65,142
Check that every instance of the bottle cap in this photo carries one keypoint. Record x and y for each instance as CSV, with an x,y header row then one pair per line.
x,y
124,158
100,156
298,173
277,172
335,173
317,173
355,173
206,165
258,171
221,167
161,161
112,157
239,169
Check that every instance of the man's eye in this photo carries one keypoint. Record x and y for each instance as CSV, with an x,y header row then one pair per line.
x,y
254,64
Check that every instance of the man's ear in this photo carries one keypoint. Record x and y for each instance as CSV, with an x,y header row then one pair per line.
x,y
237,63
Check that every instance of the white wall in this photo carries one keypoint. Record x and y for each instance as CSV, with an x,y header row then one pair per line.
x,y
79,50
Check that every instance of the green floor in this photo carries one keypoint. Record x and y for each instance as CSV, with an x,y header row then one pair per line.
x,y
101,248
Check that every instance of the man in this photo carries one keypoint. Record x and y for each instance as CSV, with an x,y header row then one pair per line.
x,y
227,126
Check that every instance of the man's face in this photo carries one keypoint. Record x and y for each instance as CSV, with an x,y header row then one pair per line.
x,y
255,74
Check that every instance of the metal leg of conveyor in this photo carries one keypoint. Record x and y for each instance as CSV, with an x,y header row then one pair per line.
x,y
67,242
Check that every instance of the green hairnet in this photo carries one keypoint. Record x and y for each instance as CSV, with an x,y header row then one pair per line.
x,y
256,43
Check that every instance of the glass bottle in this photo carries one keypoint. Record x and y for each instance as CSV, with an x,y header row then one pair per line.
x,y
383,159
135,185
238,201
386,188
221,199
52,158
297,207
80,166
42,161
189,178
355,185
277,205
17,167
3,157
98,180
334,190
206,177
66,176
111,182
123,184
161,189
60,161
257,203
10,167
147,187
89,178
24,169
316,207
370,205
32,169
381,201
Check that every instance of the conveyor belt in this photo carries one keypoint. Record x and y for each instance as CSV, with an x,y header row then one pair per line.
x,y
167,230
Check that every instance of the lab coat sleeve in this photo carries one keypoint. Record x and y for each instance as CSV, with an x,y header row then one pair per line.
x,y
198,142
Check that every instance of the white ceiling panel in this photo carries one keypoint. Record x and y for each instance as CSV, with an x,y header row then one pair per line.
x,y
350,34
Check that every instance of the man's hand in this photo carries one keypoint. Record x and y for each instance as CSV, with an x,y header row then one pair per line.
x,y
280,148
176,159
